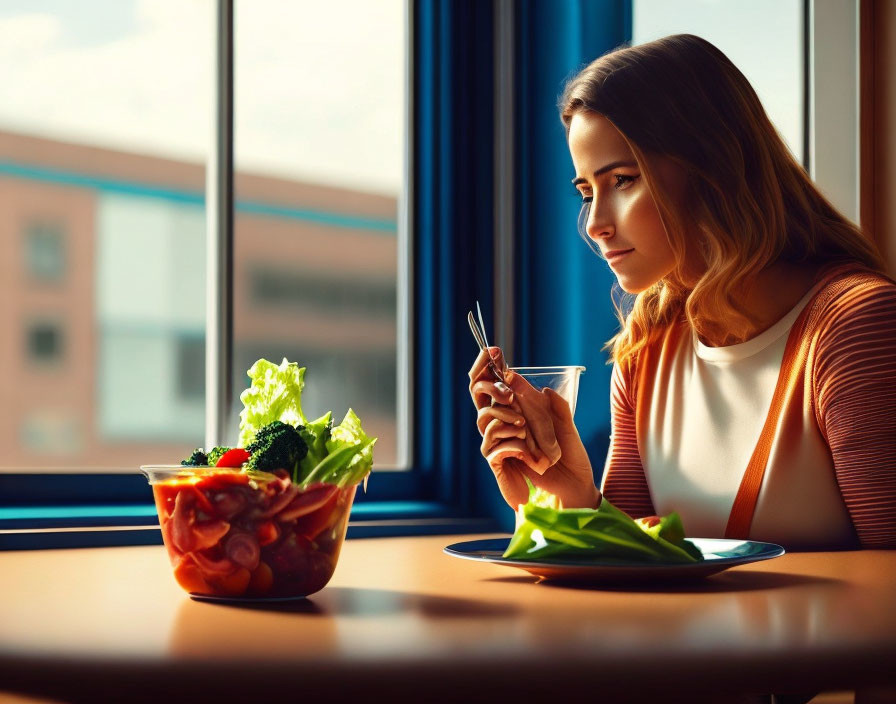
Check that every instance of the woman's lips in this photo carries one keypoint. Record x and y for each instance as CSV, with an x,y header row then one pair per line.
x,y
616,254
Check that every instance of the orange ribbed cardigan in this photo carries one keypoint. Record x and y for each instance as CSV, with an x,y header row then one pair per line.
x,y
840,358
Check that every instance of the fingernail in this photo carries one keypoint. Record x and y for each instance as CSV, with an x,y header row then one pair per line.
x,y
509,376
519,422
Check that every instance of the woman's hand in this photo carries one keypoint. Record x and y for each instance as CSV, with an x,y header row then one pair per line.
x,y
528,433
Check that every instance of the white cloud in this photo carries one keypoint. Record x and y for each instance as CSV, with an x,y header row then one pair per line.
x,y
319,86
25,35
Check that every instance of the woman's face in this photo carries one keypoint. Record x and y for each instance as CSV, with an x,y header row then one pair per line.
x,y
623,220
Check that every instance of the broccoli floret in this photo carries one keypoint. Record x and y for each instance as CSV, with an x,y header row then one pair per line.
x,y
277,445
197,459
215,454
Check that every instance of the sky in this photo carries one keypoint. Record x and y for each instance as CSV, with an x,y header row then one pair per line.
x,y
762,37
319,86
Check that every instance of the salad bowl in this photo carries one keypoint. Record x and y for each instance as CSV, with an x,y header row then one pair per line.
x,y
264,520
232,534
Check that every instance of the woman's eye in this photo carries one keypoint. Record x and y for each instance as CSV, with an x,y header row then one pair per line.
x,y
623,181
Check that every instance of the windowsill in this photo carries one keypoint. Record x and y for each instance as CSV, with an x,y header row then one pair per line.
x,y
49,527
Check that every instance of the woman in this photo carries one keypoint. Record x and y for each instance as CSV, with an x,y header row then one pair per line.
x,y
754,378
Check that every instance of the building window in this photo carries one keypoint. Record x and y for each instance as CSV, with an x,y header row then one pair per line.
x,y
326,293
56,433
45,343
191,367
45,251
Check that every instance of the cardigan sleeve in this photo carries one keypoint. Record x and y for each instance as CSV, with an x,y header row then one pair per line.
x,y
624,483
854,380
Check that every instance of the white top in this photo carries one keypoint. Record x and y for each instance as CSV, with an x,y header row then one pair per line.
x,y
705,422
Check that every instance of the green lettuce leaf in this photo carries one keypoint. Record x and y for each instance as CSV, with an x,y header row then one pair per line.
x,y
342,455
316,433
274,394
548,531
349,454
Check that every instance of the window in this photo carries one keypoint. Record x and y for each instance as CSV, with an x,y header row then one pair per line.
x,y
103,139
191,368
45,343
802,57
367,297
113,194
320,102
45,251
764,39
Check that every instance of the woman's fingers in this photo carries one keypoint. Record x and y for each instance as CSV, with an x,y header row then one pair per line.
x,y
498,361
479,364
480,368
516,448
484,392
510,474
536,407
512,448
496,432
530,440
507,414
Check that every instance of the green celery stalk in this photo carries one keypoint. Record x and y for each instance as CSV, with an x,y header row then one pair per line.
x,y
331,465
601,533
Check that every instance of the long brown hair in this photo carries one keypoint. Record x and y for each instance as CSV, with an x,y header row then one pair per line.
x,y
749,202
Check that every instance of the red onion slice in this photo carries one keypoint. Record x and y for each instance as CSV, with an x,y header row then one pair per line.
x,y
243,549
211,567
280,502
229,503
308,501
207,535
181,522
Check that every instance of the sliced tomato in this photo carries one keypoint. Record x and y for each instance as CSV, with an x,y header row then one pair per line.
x,y
202,501
190,578
233,584
312,524
164,497
267,533
221,480
233,458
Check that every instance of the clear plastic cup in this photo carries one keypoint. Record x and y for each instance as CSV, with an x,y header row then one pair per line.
x,y
563,380
238,535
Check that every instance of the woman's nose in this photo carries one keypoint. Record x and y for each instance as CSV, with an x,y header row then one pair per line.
x,y
599,224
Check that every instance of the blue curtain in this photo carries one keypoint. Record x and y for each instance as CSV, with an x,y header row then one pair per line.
x,y
564,313
453,257
563,305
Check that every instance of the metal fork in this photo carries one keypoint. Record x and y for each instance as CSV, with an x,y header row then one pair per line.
x,y
481,340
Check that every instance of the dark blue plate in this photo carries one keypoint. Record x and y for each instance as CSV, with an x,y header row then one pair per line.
x,y
718,554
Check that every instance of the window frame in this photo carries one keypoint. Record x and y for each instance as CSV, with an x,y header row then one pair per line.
x,y
57,508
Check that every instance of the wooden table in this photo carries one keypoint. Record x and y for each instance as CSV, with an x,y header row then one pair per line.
x,y
401,619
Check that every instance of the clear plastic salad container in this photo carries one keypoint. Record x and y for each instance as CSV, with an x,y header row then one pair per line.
x,y
235,534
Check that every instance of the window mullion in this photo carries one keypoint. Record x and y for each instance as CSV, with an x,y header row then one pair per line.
x,y
219,236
